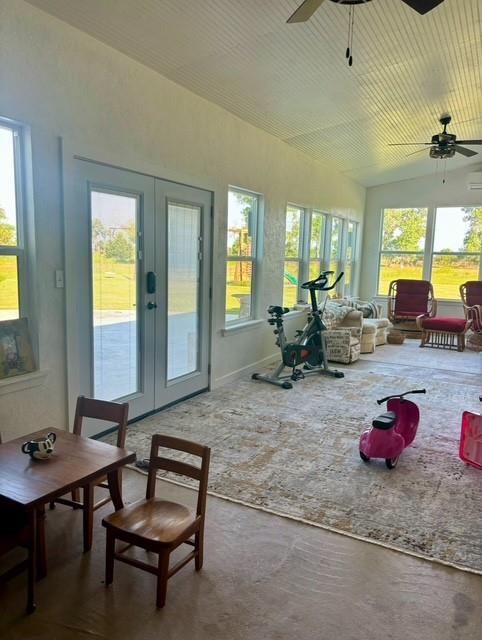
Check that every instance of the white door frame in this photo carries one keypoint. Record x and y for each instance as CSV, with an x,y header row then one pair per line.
x,y
73,350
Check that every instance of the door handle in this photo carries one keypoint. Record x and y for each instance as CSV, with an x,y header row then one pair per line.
x,y
151,282
151,305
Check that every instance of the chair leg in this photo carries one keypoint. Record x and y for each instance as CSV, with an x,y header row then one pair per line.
x,y
199,548
162,577
41,552
31,563
52,505
88,515
75,496
109,557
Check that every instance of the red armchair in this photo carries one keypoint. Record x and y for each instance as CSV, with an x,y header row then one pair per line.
x,y
408,299
471,294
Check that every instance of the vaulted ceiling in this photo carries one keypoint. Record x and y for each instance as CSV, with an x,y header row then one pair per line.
x,y
293,80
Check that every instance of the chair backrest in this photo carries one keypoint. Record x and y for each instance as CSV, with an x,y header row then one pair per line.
x,y
182,468
471,293
102,410
411,297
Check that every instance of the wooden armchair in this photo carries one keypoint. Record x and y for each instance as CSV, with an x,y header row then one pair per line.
x,y
408,299
98,410
158,525
471,294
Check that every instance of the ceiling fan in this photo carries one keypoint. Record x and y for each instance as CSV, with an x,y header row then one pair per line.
x,y
444,145
308,7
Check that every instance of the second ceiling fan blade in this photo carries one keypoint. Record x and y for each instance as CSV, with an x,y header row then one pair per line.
x,y
423,6
469,141
468,153
305,11
407,144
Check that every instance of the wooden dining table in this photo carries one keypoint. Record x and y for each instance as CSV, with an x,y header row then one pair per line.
x,y
77,462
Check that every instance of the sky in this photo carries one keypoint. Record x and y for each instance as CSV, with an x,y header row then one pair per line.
x,y
450,229
7,175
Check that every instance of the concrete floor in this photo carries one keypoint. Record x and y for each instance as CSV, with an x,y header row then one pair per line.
x,y
264,577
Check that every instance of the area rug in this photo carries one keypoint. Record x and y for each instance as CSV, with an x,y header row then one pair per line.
x,y
295,453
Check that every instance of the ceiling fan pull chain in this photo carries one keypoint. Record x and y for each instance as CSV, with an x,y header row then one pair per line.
x,y
349,51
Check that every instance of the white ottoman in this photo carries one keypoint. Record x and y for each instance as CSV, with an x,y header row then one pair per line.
x,y
381,326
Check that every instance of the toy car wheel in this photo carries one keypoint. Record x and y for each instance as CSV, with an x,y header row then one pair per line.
x,y
287,385
391,462
364,457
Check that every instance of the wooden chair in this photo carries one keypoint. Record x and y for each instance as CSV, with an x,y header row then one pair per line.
x,y
471,294
98,410
158,525
18,529
408,299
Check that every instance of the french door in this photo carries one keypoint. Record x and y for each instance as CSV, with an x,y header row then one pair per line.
x,y
141,272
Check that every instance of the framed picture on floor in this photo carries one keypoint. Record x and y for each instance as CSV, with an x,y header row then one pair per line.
x,y
16,354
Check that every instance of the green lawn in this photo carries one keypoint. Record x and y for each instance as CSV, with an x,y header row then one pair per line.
x,y
115,285
446,280
8,283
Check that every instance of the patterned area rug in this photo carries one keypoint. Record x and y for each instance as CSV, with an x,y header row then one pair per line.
x,y
295,453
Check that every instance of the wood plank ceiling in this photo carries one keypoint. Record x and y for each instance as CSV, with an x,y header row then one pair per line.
x,y
293,80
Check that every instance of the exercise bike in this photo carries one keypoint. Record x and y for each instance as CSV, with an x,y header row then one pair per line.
x,y
309,347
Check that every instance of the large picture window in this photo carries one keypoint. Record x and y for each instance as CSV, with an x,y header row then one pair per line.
x,y
456,249
315,242
12,252
402,246
243,208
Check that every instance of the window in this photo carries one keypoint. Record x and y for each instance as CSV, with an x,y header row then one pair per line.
x,y
12,258
316,242
243,208
402,246
456,249
292,275
349,259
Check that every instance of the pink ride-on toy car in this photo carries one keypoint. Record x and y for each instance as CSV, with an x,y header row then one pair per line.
x,y
471,439
392,431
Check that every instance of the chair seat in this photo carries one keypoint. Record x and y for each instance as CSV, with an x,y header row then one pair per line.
x,y
154,519
453,325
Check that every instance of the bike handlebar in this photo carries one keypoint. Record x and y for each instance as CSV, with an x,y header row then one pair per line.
x,y
400,395
321,281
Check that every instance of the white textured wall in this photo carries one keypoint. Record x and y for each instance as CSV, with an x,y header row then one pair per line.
x,y
427,191
110,108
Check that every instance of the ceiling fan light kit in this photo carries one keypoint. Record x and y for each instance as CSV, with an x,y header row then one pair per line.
x,y
444,145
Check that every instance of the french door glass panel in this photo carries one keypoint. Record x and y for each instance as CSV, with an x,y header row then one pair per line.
x,y
115,325
183,253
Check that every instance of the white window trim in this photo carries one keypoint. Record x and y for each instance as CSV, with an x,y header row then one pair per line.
x,y
254,258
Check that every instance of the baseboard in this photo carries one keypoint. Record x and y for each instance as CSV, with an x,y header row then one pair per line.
x,y
244,372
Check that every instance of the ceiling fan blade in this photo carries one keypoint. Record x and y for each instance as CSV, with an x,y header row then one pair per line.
x,y
468,153
405,144
305,11
469,141
413,152
423,6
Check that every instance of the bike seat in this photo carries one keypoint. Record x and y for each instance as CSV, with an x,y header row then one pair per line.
x,y
277,311
385,420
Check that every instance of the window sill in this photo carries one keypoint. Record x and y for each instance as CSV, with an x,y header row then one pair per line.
x,y
241,326
296,312
21,382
